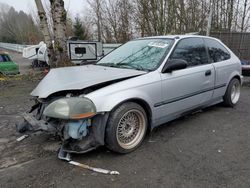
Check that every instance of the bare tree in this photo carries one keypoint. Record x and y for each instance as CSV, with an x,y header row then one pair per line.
x,y
18,27
242,24
44,26
96,6
244,16
121,20
230,14
43,22
59,16
57,51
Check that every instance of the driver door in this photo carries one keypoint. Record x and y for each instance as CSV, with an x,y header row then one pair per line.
x,y
189,88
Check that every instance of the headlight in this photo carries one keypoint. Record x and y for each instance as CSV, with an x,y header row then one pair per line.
x,y
70,108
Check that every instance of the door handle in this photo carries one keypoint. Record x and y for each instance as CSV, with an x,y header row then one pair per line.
x,y
208,73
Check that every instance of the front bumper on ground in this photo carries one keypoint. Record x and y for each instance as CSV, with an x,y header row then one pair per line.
x,y
94,138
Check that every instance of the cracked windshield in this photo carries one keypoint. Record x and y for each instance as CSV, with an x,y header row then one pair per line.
x,y
144,54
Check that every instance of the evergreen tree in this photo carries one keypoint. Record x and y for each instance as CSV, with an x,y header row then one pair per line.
x,y
79,29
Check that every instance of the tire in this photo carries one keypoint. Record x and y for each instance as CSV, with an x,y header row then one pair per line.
x,y
34,63
126,128
232,94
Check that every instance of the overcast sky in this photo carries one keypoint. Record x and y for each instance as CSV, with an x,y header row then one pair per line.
x,y
74,6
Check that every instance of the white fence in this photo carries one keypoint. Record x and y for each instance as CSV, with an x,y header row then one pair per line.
x,y
19,48
13,47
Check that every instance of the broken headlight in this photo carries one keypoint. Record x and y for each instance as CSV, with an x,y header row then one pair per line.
x,y
71,108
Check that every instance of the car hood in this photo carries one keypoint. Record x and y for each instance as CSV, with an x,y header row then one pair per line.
x,y
79,77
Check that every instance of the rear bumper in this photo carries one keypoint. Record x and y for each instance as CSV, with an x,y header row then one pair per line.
x,y
245,70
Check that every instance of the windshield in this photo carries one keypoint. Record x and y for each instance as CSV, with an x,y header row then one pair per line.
x,y
143,54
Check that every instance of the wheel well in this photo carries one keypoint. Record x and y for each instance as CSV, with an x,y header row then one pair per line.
x,y
237,77
143,104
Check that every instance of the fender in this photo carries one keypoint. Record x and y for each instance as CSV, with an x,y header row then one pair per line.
x,y
235,74
142,87
115,99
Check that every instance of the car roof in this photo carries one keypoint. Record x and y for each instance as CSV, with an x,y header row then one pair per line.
x,y
178,36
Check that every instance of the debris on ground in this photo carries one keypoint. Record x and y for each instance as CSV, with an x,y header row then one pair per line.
x,y
63,155
151,141
67,157
22,137
100,170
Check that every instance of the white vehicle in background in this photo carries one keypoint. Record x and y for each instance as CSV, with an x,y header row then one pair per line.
x,y
37,53
79,52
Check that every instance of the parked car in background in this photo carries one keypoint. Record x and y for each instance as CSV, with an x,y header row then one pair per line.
x,y
142,84
7,66
245,67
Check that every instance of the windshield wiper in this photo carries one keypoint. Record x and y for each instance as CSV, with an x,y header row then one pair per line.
x,y
107,64
121,64
134,66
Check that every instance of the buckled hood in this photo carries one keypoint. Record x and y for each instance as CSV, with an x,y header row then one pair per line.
x,y
79,77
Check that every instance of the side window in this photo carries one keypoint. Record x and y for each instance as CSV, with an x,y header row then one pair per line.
x,y
216,51
192,50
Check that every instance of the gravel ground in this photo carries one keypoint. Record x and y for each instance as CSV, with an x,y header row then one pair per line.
x,y
207,149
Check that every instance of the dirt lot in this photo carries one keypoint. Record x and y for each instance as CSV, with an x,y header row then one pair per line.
x,y
208,149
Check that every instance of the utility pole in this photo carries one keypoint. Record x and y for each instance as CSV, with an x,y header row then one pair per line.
x,y
98,13
242,27
209,22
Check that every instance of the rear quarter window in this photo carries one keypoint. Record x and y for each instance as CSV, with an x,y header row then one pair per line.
x,y
216,51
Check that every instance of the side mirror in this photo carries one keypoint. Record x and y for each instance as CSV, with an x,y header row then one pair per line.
x,y
174,64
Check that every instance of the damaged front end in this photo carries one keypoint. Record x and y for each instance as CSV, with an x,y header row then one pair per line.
x,y
73,119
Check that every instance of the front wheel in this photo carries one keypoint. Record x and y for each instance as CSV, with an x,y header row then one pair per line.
x,y
126,128
232,94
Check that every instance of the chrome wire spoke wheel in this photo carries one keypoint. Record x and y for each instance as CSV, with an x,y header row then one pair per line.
x,y
131,129
235,92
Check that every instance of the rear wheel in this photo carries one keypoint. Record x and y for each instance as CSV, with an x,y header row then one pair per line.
x,y
126,128
232,94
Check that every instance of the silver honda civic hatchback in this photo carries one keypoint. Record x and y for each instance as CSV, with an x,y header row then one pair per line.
x,y
142,84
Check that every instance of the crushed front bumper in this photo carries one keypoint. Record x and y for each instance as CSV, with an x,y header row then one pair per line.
x,y
37,125
94,138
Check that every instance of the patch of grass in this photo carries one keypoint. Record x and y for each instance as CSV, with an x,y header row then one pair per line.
x,y
30,76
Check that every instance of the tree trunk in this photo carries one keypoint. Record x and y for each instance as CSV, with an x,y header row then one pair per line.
x,y
43,21
59,16
230,14
98,14
45,30
236,15
242,26
243,17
